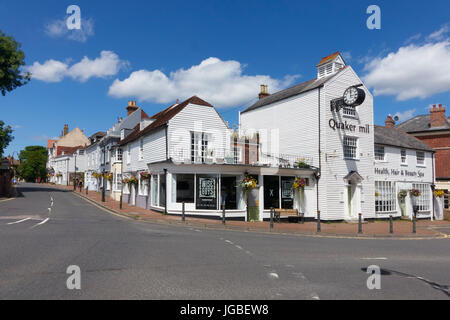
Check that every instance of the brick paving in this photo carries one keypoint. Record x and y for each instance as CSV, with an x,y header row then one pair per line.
x,y
402,228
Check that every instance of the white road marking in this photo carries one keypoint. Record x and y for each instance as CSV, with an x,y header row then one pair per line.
x,y
19,221
378,258
228,241
273,275
314,296
40,223
239,247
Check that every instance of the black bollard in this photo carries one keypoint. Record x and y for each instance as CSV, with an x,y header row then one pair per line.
x,y
319,229
391,225
223,214
183,217
271,218
360,223
414,222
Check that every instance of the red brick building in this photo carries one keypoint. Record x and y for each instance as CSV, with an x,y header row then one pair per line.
x,y
434,130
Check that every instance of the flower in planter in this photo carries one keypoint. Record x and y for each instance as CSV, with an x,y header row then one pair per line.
x,y
415,192
145,175
125,180
402,194
302,164
299,183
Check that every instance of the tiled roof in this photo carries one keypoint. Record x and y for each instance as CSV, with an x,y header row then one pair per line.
x,y
67,150
163,117
421,123
329,58
50,143
290,92
398,138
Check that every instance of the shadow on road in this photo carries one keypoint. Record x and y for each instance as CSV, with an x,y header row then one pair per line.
x,y
24,189
386,272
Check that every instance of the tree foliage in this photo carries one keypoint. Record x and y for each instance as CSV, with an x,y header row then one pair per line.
x,y
33,163
5,137
11,60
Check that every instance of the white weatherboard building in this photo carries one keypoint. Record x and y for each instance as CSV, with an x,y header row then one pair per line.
x,y
402,163
314,119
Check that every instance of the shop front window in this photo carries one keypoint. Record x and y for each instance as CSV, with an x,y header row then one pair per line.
x,y
271,192
154,190
162,190
206,192
184,187
423,201
228,192
287,193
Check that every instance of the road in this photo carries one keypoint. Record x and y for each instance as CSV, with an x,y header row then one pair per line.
x,y
121,258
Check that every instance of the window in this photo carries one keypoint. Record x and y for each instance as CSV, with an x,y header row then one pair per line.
x,y
420,158
162,190
237,155
350,147
118,183
143,186
184,186
271,192
141,149
119,154
403,156
199,146
287,193
350,111
379,153
228,192
385,197
81,152
128,154
423,201
154,190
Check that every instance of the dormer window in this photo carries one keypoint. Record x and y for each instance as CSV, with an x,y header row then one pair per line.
x,y
330,65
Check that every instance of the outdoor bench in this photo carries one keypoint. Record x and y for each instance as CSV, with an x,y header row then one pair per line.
x,y
287,213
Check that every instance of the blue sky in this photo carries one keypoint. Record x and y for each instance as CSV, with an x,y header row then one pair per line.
x,y
155,52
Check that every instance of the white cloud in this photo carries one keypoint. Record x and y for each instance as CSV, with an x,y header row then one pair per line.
x,y
439,34
220,82
49,71
405,115
108,64
58,28
414,71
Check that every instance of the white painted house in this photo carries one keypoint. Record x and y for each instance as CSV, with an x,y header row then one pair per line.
x,y
402,163
330,120
193,157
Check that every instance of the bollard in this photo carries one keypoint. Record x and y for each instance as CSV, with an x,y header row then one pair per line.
x,y
391,225
87,188
183,217
271,218
121,196
360,223
319,229
414,222
223,214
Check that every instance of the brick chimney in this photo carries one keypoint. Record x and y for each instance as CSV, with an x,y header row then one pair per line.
x,y
131,107
66,129
437,116
389,122
264,92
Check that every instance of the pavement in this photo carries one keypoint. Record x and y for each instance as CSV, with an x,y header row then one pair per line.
x,y
45,230
425,229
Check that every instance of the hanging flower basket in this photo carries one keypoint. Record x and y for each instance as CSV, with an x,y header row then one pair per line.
x,y
299,183
109,176
415,192
97,175
439,193
145,175
248,183
377,194
125,180
59,175
133,180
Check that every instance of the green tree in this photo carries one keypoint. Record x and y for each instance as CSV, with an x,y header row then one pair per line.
x,y
33,163
5,137
11,60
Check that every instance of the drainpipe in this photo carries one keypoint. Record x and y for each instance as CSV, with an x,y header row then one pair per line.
x,y
165,204
433,186
318,174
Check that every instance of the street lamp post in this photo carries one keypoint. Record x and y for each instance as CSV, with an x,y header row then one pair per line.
x,y
75,174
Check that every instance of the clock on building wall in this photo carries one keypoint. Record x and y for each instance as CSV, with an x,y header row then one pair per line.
x,y
353,96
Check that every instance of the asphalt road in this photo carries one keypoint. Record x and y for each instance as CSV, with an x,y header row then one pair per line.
x,y
125,259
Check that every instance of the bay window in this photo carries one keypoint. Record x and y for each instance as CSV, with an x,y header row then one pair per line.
x,y
422,201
